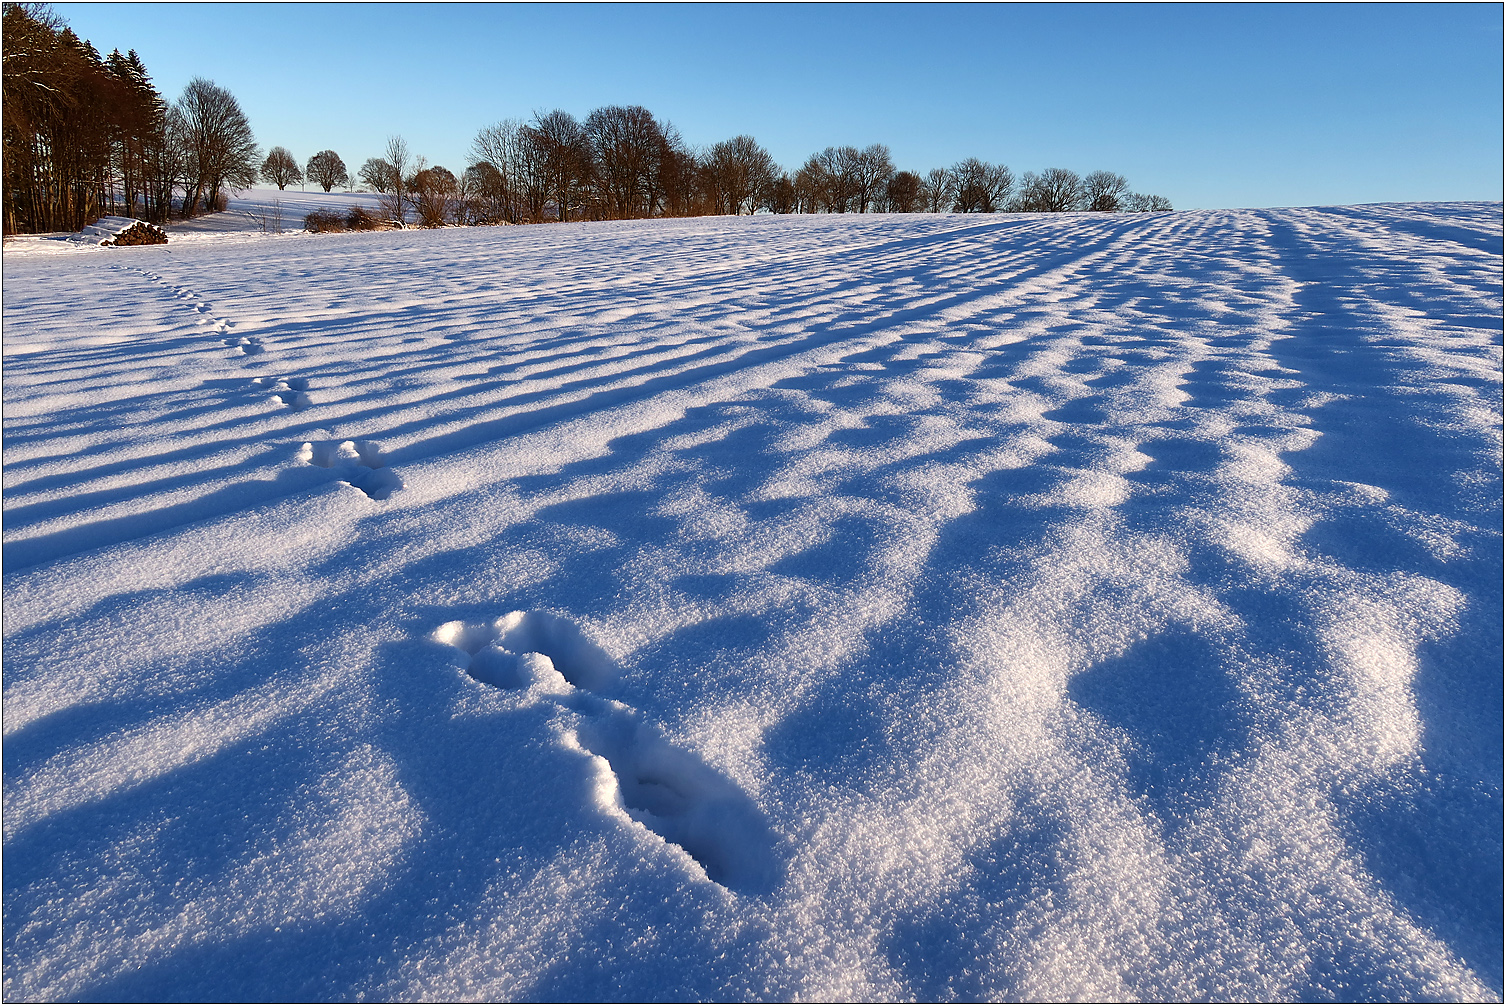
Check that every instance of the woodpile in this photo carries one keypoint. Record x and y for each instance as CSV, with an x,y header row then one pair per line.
x,y
140,233
121,232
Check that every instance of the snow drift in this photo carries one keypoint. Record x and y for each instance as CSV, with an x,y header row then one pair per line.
x,y
950,607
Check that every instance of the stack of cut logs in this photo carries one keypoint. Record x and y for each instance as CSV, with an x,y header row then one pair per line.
x,y
139,233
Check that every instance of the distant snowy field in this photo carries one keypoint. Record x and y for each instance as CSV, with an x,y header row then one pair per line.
x,y
826,608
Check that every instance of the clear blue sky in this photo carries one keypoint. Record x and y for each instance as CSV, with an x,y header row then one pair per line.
x,y
1211,106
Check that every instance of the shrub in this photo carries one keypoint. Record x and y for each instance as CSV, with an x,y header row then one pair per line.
x,y
361,219
322,221
269,219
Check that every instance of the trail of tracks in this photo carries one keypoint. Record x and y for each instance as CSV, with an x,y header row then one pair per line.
x,y
503,340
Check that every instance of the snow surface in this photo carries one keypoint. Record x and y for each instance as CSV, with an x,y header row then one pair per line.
x,y
938,607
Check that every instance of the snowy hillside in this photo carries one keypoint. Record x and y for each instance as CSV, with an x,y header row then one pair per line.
x,y
266,210
1097,607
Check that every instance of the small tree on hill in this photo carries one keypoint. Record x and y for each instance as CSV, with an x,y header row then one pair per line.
x,y
1055,190
433,192
1104,191
871,171
981,187
813,186
625,147
1138,202
938,191
566,161
326,170
280,168
484,194
677,184
376,174
902,194
836,171
394,201
780,197
738,172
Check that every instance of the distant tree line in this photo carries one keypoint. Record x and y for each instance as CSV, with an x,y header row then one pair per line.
x,y
86,135
621,163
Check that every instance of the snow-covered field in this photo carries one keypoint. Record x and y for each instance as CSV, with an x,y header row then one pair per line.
x,y
741,608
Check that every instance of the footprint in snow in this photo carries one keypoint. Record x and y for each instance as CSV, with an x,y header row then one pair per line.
x,y
359,462
289,391
665,789
246,345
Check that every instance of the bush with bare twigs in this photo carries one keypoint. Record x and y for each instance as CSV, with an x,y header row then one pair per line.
x,y
359,218
324,221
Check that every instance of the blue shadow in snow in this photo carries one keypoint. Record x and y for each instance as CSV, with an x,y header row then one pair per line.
x,y
1172,695
945,953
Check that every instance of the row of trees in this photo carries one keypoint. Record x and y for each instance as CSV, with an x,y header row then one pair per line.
x,y
325,169
86,135
620,162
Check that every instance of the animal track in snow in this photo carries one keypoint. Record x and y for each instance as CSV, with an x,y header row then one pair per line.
x,y
360,463
289,391
200,308
665,789
248,345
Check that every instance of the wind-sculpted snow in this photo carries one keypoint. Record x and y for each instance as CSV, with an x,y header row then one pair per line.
x,y
1016,607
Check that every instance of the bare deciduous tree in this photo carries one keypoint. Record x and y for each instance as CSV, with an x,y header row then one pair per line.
x,y
781,197
626,144
738,172
166,159
981,187
524,189
497,144
1137,202
679,175
220,147
1055,190
395,202
433,192
280,168
484,194
564,157
502,164
813,186
903,193
326,170
938,191
376,174
837,168
1104,191
872,168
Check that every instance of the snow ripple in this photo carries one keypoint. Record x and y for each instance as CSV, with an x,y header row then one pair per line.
x,y
959,608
